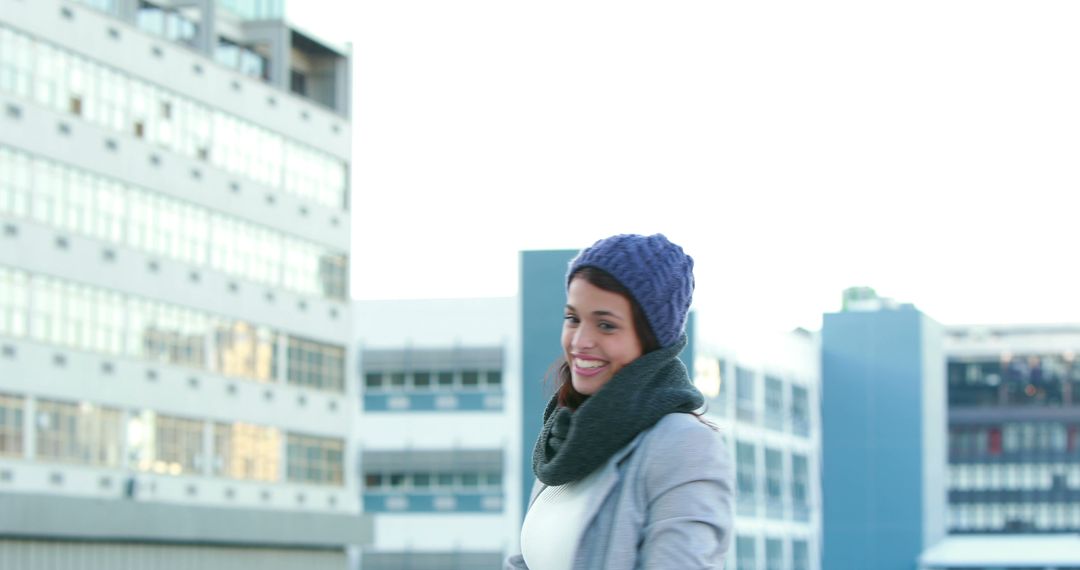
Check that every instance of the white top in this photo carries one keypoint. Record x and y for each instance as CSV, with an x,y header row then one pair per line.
x,y
555,522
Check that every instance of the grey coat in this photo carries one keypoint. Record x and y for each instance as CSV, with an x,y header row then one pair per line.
x,y
663,501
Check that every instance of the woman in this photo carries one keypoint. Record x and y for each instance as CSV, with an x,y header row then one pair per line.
x,y
627,475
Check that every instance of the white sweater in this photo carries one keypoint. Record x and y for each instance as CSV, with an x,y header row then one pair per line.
x,y
554,524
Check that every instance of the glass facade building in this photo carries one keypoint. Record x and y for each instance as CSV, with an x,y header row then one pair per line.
x,y
1014,430
175,325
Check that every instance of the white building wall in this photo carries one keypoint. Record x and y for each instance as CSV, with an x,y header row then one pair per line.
x,y
442,324
795,359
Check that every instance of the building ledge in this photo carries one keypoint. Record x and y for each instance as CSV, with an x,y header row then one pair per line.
x,y
993,551
77,518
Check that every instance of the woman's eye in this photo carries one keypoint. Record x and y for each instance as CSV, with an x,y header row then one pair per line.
x,y
606,326
570,319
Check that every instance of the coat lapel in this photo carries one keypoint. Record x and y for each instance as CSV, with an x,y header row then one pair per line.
x,y
609,478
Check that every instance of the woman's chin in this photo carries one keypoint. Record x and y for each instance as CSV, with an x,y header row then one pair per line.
x,y
588,385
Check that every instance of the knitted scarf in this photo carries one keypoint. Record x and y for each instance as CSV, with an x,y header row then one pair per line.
x,y
573,444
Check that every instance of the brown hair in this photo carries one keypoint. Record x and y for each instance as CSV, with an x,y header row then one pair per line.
x,y
568,396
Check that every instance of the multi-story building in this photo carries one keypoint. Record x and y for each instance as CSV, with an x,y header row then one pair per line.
x,y
174,315
987,481
436,440
1014,429
883,436
763,393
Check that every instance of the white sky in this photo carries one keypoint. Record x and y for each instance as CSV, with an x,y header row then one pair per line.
x,y
929,149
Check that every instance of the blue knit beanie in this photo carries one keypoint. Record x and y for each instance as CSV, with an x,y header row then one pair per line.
x,y
657,272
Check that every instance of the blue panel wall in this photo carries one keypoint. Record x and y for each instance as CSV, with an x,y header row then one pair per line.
x,y
417,502
450,401
543,297
872,367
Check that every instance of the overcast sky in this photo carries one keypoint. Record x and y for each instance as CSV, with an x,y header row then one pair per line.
x,y
928,149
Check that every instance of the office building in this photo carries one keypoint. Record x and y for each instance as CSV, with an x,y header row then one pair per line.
x,y
436,441
1014,429
883,445
175,328
763,393
1014,448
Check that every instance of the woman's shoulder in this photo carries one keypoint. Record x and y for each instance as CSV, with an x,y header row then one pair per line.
x,y
686,425
685,434
681,448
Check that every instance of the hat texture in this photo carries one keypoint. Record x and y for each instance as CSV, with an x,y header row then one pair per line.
x,y
658,273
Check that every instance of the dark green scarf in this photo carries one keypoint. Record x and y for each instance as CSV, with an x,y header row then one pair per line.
x,y
575,443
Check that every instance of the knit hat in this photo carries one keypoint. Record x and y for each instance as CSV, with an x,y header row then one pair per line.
x,y
659,275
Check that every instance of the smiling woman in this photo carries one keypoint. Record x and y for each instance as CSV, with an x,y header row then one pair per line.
x,y
602,332
627,477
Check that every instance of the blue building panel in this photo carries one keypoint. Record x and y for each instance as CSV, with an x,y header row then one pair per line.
x,y
543,298
433,502
434,402
872,442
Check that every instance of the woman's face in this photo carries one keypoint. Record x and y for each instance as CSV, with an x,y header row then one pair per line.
x,y
598,335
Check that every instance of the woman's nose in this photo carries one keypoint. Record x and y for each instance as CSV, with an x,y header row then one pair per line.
x,y
582,338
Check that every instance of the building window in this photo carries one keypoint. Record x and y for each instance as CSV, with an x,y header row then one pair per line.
x,y
800,485
774,403
724,390
746,475
470,378
744,395
334,276
430,380
11,426
14,300
247,451
800,555
774,473
312,459
745,553
246,351
245,59
318,365
63,81
800,410
107,322
432,481
103,208
178,445
78,433
297,82
774,554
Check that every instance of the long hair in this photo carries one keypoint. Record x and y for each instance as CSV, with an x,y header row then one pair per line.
x,y
568,396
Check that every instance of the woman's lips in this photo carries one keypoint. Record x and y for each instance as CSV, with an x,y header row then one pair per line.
x,y
588,371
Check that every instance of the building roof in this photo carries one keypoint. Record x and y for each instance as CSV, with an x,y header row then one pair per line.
x,y
1003,551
